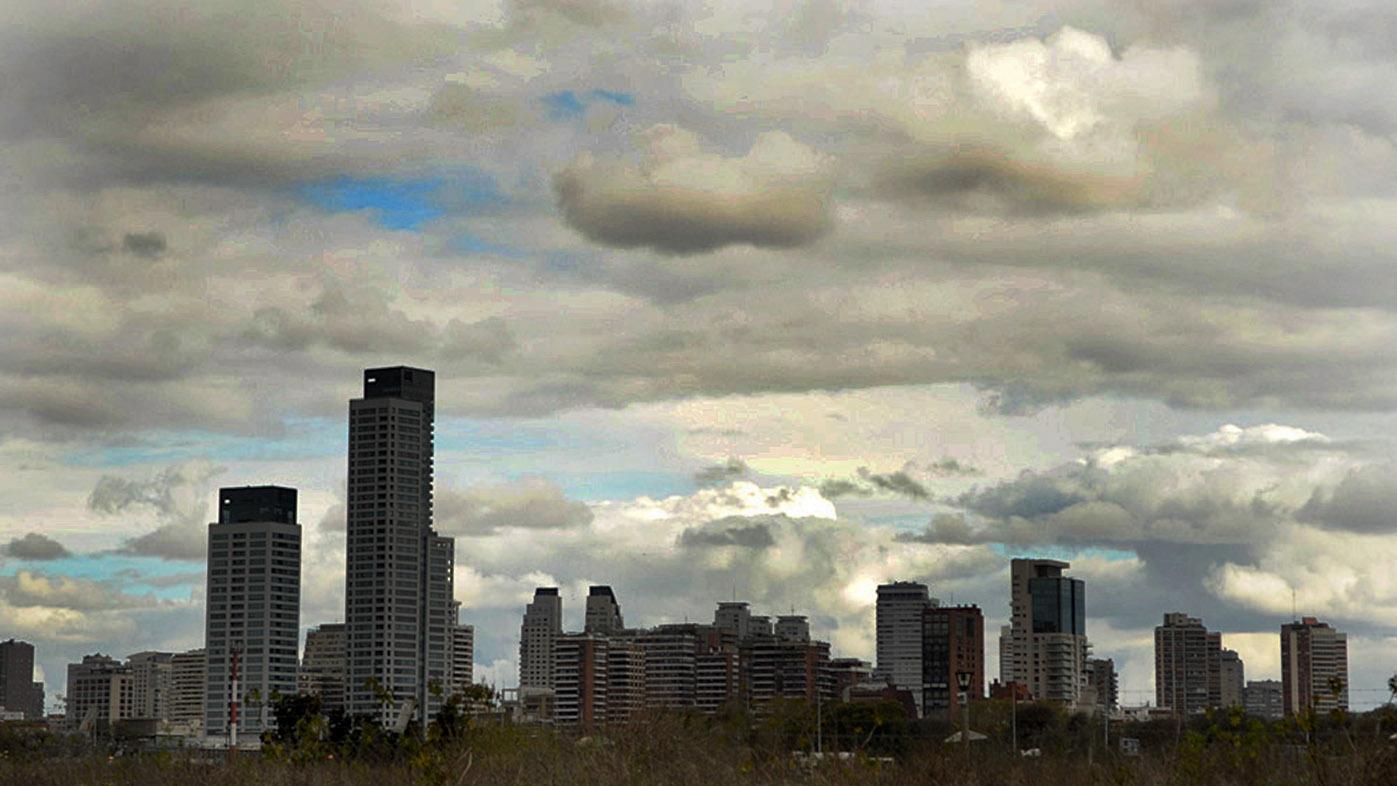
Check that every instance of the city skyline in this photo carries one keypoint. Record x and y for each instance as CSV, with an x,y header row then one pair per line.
x,y
725,300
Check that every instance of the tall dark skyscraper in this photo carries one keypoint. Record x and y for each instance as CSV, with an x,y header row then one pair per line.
x,y
398,580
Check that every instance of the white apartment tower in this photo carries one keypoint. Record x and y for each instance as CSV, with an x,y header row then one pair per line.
x,y
398,573
188,677
899,635
538,636
1046,646
254,606
462,657
151,673
323,666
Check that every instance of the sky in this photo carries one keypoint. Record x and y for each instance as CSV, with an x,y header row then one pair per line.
x,y
769,300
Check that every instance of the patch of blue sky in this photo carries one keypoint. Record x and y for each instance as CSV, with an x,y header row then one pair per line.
x,y
302,438
1062,552
493,437
406,203
470,244
566,104
137,575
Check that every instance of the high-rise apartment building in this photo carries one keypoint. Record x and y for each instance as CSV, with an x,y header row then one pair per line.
x,y
792,627
625,679
735,618
1102,678
1314,667
322,671
543,624
953,642
1231,678
775,668
253,606
1187,665
398,572
151,673
100,693
18,690
580,680
603,613
899,635
671,653
1045,645
462,658
188,681
1264,699
846,673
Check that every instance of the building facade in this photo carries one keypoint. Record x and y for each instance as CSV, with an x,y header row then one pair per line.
x,y
899,635
1232,679
323,663
18,690
603,613
188,680
253,606
1264,699
1187,665
1314,667
462,658
1102,678
953,642
543,624
151,674
100,693
625,679
398,572
1045,645
580,680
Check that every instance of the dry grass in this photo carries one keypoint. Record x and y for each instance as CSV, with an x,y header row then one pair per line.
x,y
678,752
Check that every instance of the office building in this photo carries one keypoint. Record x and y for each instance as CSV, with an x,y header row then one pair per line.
x,y
253,606
1187,665
323,665
1264,699
151,673
1231,678
899,635
188,681
543,624
953,642
1045,646
18,690
100,693
603,613
1103,680
1314,667
580,680
462,658
398,572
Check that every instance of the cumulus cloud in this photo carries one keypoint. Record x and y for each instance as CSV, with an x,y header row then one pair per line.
x,y
144,244
1365,500
35,546
683,200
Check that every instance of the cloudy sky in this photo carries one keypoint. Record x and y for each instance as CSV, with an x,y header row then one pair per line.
x,y
778,300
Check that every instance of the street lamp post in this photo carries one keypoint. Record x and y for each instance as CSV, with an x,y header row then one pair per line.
x,y
963,682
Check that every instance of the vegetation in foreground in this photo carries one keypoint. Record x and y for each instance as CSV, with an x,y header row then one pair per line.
x,y
880,745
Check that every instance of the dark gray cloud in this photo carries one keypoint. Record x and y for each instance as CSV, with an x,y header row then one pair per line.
x,y
733,531
528,503
1365,500
899,483
144,244
176,498
35,546
720,474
